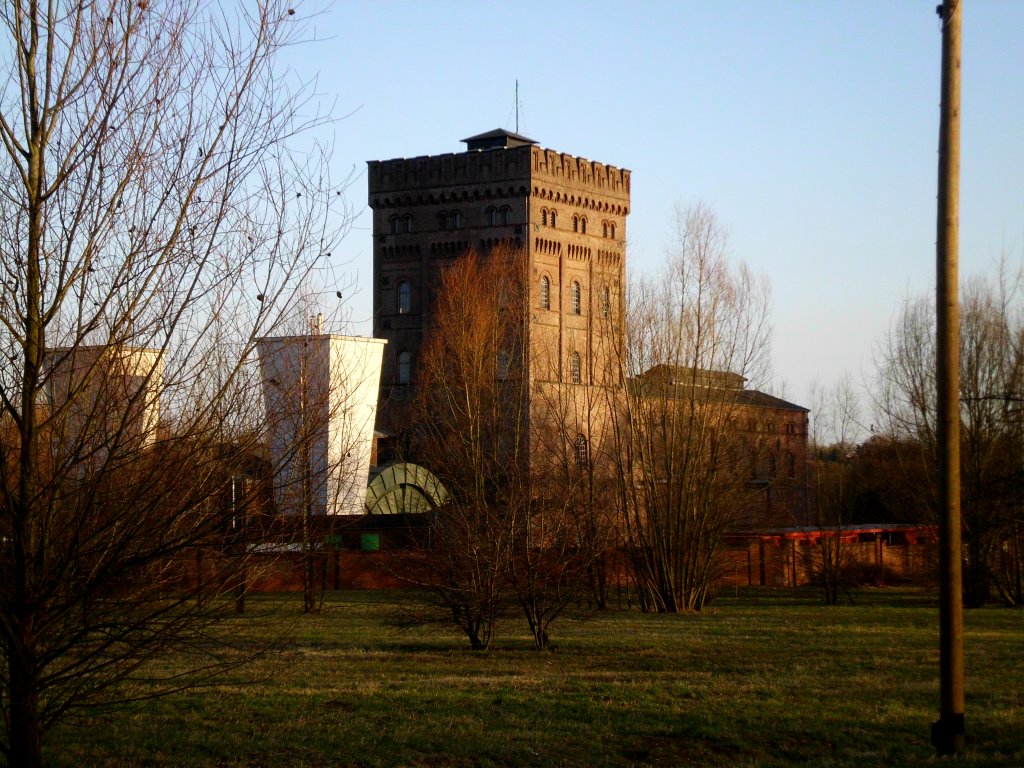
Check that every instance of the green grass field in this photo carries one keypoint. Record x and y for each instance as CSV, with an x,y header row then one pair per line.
x,y
763,678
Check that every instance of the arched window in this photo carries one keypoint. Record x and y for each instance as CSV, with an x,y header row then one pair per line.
x,y
575,368
575,223
404,367
582,451
577,302
404,297
606,302
583,225
394,225
408,223
789,428
492,217
545,293
506,215
442,221
552,218
456,220
544,217
604,229
611,230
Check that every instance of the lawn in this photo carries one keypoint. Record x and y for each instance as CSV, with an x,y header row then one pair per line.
x,y
763,678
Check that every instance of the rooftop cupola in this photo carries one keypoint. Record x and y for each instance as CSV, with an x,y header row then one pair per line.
x,y
499,138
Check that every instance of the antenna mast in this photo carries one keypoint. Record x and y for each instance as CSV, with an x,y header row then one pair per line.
x,y
517,105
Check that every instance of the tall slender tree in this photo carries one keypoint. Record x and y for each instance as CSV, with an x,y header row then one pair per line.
x,y
153,217
694,334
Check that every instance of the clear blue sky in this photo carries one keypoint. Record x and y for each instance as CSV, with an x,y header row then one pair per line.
x,y
809,127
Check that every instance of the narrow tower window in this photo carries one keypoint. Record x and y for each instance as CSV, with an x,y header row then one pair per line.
x,y
577,303
545,293
404,367
582,451
575,368
404,297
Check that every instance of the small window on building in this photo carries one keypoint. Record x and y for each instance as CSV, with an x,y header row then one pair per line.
x,y
582,451
577,301
583,225
545,293
442,221
408,223
789,428
456,220
611,230
604,229
492,217
404,367
544,217
552,218
506,215
393,221
790,465
575,368
606,302
404,297
575,223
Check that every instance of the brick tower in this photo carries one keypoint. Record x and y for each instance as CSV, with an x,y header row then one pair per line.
x,y
566,216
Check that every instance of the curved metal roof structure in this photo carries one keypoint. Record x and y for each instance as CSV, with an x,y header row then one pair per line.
x,y
403,488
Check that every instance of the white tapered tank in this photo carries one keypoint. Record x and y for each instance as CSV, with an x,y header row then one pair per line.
x,y
320,392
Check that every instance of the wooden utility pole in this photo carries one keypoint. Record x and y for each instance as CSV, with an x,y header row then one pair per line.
x,y
948,732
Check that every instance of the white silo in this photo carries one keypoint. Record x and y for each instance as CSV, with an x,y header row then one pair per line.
x,y
103,400
320,392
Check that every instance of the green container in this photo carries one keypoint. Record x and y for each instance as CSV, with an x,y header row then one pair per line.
x,y
369,542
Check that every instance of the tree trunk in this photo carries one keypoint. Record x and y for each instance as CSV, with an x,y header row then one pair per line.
x,y
25,729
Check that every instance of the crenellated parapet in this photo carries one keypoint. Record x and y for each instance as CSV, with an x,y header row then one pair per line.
x,y
442,179
498,174
576,181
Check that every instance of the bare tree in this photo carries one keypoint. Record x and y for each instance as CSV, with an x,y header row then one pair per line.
x,y
152,218
694,334
320,391
573,471
564,539
991,393
512,532
472,411
834,434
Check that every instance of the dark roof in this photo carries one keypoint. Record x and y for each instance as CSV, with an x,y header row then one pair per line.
x,y
677,381
499,138
763,400
681,375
